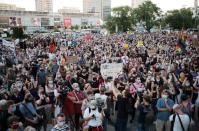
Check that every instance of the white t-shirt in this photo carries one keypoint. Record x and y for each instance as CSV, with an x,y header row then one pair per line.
x,y
108,86
101,96
185,122
97,121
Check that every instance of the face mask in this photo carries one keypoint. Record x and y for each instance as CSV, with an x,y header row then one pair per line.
x,y
50,82
14,108
90,98
164,96
138,81
60,124
77,89
15,126
93,107
187,84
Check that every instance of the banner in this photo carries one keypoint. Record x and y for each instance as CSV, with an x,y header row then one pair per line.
x,y
8,44
84,21
12,21
71,59
45,22
67,22
151,52
35,21
4,20
111,69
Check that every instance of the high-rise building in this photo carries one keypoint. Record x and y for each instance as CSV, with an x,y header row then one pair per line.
x,y
102,7
69,10
44,5
10,7
196,8
136,3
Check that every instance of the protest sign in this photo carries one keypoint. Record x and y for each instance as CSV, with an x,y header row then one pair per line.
x,y
111,69
140,44
63,48
151,52
71,59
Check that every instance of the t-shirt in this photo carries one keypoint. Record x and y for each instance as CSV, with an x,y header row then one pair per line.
x,y
164,115
143,110
97,121
122,111
102,97
41,77
185,122
28,113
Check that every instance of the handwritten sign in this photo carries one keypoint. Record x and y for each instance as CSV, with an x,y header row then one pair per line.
x,y
151,52
63,49
111,69
71,59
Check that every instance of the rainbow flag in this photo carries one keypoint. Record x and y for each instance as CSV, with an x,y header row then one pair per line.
x,y
180,46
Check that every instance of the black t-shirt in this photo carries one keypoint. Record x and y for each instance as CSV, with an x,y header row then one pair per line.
x,y
122,104
143,110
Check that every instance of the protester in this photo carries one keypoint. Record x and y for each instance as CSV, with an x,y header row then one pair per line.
x,y
14,124
164,106
180,120
61,124
145,120
94,117
67,72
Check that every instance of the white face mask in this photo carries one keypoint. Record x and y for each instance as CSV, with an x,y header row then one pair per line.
x,y
60,124
138,81
164,96
77,89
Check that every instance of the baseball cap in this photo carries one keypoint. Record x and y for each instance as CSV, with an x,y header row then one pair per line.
x,y
176,106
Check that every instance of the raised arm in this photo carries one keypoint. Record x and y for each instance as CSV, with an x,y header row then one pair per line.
x,y
116,92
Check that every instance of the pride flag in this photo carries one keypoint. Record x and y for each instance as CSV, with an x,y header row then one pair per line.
x,y
180,46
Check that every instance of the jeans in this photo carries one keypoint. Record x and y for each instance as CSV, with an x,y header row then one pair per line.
x,y
121,124
104,124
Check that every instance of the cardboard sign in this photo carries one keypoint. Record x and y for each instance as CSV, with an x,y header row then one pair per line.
x,y
151,52
71,59
111,69
63,49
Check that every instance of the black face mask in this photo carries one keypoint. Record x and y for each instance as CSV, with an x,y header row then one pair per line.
x,y
29,100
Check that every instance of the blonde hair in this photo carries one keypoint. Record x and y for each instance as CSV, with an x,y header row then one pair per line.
x,y
29,128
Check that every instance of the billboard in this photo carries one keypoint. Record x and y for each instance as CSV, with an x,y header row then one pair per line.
x,y
84,21
45,22
12,21
67,22
4,20
76,21
15,21
35,21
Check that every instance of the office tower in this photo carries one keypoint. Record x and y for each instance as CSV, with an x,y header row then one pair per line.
x,y
101,7
44,5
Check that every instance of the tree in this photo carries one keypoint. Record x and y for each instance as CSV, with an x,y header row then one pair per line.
x,y
18,32
147,14
121,18
76,27
180,19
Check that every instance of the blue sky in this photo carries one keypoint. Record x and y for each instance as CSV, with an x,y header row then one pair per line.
x,y
57,4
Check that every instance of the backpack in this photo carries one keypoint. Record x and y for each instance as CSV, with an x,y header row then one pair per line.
x,y
172,122
150,116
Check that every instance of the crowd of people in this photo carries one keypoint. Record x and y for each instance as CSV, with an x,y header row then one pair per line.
x,y
158,85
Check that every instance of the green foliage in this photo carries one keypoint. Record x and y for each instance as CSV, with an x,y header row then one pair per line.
x,y
180,19
121,18
18,32
76,27
147,14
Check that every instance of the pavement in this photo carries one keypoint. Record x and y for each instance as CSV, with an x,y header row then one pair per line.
x,y
132,126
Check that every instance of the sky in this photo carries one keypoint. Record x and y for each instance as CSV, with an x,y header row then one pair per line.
x,y
58,4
